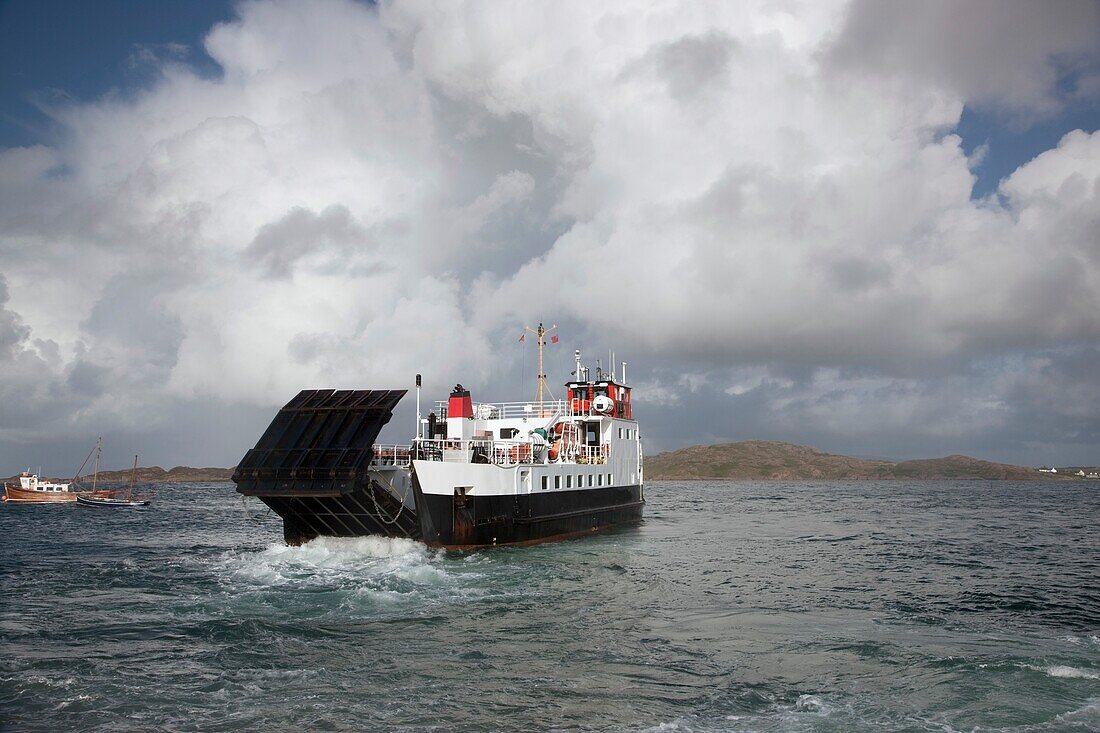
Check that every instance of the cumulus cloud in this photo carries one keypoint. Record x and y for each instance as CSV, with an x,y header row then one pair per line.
x,y
1013,55
767,198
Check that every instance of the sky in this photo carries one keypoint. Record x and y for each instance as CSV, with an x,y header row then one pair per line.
x,y
872,226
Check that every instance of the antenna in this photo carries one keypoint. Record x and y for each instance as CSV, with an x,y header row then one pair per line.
x,y
541,332
418,407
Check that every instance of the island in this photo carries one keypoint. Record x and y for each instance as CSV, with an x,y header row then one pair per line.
x,y
776,460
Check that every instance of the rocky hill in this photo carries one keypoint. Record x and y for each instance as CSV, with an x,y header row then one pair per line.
x,y
157,475
765,459
153,475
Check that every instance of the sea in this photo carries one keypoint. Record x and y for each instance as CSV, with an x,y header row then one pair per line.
x,y
736,606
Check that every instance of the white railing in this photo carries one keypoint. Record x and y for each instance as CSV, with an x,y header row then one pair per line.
x,y
506,452
512,410
391,455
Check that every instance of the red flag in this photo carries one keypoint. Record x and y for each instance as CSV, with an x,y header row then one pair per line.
x,y
523,337
553,339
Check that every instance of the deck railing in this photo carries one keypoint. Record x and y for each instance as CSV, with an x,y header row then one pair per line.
x,y
391,455
512,410
504,452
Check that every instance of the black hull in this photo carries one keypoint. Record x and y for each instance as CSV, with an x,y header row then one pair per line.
x,y
363,511
463,522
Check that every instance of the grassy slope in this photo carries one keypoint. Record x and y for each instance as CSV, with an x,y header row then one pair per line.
x,y
763,459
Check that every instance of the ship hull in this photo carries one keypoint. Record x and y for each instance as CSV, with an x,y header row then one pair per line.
x,y
472,521
17,495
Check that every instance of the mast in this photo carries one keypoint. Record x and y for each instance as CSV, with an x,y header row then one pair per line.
x,y
541,332
133,472
98,452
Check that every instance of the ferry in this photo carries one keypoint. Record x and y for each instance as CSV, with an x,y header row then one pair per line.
x,y
476,474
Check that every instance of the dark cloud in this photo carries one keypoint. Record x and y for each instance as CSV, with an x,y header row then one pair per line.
x,y
1010,53
693,65
278,246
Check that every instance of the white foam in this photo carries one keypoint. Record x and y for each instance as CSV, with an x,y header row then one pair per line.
x,y
809,704
338,561
1061,670
1086,714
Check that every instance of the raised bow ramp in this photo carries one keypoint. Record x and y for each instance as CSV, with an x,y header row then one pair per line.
x,y
313,467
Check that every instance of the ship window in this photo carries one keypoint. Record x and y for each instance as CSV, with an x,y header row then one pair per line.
x,y
506,433
557,482
569,482
589,479
580,481
545,482
599,480
609,481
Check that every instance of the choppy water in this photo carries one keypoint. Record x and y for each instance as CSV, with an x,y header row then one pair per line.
x,y
735,607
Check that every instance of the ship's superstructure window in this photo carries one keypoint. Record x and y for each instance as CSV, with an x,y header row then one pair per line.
x,y
508,433
557,482
569,481
545,482
580,481
599,481
609,481
589,479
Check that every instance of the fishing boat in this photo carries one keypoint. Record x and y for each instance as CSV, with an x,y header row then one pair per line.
x,y
113,499
33,489
474,475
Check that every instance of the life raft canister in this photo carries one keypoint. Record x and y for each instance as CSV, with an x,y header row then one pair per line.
x,y
602,404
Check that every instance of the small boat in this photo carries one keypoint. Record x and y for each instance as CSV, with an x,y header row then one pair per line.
x,y
112,499
32,489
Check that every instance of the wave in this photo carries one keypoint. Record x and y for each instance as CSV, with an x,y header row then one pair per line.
x,y
328,559
1061,670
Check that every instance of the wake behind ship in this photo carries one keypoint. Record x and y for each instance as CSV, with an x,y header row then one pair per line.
x,y
474,475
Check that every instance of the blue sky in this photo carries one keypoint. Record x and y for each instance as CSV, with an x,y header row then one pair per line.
x,y
62,49
761,207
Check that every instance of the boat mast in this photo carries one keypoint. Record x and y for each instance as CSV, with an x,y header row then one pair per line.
x,y
98,451
133,472
541,332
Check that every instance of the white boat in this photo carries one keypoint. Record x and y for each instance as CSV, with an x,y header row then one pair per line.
x,y
33,489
